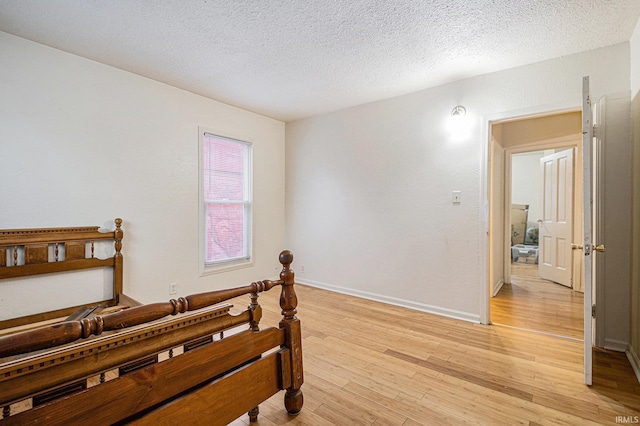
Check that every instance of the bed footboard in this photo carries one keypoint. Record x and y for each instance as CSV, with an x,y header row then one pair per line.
x,y
168,361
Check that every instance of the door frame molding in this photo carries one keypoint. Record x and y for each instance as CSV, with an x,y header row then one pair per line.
x,y
598,220
485,202
485,179
558,143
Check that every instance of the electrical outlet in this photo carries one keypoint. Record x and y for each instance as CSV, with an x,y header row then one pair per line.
x,y
302,269
173,288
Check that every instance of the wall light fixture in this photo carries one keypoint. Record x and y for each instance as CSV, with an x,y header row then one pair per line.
x,y
459,125
458,111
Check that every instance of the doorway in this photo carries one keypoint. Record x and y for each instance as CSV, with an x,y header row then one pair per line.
x,y
520,297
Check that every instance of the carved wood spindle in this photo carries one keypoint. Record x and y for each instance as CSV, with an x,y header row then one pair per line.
x,y
6,411
92,249
255,308
118,235
171,353
221,335
103,377
15,255
57,251
293,398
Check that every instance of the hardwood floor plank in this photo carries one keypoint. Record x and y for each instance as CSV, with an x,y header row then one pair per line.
x,y
515,407
340,405
390,416
441,391
513,385
375,364
532,303
423,412
440,367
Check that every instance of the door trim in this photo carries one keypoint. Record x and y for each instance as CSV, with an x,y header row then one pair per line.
x,y
598,223
485,179
558,143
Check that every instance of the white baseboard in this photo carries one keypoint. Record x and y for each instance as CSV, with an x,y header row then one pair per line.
x,y
497,287
616,345
450,313
634,360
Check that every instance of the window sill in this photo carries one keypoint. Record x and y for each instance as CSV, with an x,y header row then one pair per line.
x,y
225,267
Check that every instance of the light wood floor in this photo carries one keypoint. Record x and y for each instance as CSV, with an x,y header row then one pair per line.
x,y
367,363
532,303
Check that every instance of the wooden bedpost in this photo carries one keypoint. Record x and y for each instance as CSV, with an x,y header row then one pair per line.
x,y
117,273
293,398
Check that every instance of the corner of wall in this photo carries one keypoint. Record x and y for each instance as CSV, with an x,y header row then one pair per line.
x,y
632,355
634,347
634,47
497,286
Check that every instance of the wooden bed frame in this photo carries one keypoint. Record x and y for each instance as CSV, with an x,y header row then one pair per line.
x,y
162,363
28,252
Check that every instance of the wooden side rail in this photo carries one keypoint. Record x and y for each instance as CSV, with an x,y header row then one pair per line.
x,y
29,375
69,331
155,384
218,402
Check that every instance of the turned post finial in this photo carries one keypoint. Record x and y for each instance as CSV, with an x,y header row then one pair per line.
x,y
286,258
288,298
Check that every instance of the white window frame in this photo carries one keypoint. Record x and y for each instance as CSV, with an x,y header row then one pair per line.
x,y
205,267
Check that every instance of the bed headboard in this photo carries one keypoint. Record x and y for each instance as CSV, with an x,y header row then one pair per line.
x,y
36,251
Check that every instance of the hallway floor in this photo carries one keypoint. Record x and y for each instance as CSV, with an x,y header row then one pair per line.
x,y
532,303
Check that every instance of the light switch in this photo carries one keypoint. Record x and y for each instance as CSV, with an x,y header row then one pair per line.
x,y
457,197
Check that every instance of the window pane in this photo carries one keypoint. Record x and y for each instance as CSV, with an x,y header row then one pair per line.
x,y
224,169
225,232
226,192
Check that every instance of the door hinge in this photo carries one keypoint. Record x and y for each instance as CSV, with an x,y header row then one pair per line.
x,y
596,131
593,311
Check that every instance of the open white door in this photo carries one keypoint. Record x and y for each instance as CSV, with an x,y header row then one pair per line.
x,y
587,210
556,225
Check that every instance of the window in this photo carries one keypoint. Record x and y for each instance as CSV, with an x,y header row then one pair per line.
x,y
226,196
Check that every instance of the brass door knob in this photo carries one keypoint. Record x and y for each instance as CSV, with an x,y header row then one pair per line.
x,y
576,247
599,248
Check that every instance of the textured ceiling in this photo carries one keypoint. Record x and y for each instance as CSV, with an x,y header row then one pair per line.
x,y
289,59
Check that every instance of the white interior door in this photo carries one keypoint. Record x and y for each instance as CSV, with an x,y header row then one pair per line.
x,y
588,227
556,224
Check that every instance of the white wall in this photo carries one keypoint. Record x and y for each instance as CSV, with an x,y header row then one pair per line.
x,y
634,347
83,143
617,220
369,188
